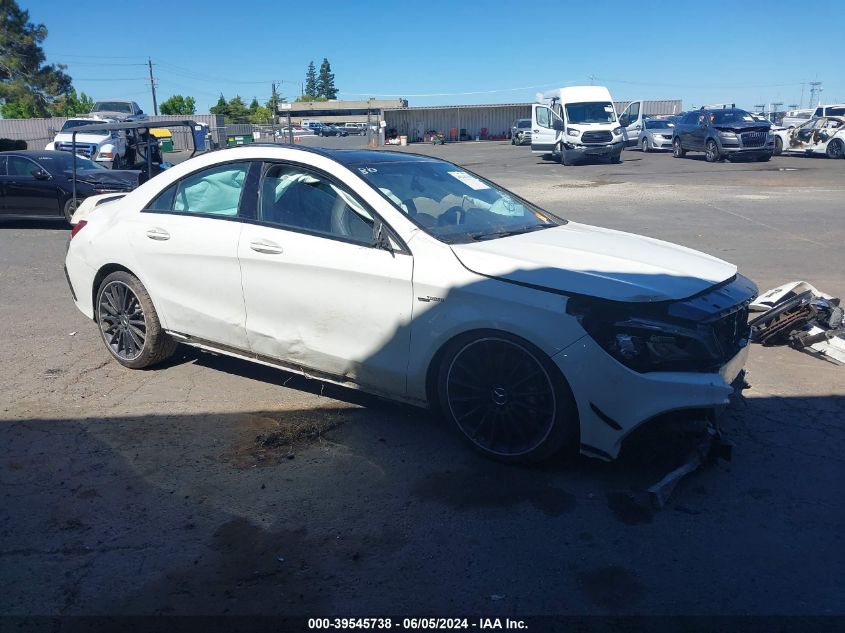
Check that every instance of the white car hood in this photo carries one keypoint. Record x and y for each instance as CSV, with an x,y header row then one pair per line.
x,y
587,260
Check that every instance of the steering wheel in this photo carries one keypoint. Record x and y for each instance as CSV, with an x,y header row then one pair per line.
x,y
452,215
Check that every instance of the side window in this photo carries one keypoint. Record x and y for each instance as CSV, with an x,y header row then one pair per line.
x,y
164,201
21,166
2,165
297,198
214,191
544,117
633,111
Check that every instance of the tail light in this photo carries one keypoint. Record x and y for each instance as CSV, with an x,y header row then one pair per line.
x,y
77,228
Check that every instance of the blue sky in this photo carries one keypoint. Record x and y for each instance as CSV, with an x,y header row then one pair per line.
x,y
450,52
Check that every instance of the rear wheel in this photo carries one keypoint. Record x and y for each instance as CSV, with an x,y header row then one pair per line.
x,y
778,146
507,398
835,149
711,152
644,145
129,324
677,150
70,208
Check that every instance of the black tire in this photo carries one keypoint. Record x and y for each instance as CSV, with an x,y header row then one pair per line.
x,y
835,149
520,138
616,159
644,145
711,151
70,208
764,158
562,157
778,146
129,324
476,385
677,150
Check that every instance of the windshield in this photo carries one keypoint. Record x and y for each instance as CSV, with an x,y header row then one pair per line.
x,y
452,204
590,112
659,125
523,123
63,161
112,106
721,117
72,123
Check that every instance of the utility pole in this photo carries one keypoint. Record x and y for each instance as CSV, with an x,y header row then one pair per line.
x,y
153,86
815,92
275,108
801,103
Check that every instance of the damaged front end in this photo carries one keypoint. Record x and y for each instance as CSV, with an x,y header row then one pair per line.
x,y
643,360
698,334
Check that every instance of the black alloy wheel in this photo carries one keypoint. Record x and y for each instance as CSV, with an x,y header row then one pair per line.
x,y
504,396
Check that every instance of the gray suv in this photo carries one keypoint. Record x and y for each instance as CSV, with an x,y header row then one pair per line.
x,y
722,133
521,132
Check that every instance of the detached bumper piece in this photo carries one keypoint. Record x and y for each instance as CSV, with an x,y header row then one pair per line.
x,y
710,450
799,315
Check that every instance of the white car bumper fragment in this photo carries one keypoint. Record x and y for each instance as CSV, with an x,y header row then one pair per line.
x,y
614,400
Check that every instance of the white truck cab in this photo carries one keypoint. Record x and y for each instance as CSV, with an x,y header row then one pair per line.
x,y
107,148
576,123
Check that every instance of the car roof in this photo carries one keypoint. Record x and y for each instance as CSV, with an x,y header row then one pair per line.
x,y
34,153
354,157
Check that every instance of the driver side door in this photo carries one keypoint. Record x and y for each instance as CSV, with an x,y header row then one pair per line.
x,y
544,136
26,194
632,123
320,294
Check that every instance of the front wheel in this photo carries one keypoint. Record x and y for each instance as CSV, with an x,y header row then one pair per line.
x,y
507,398
778,146
562,157
835,149
711,152
644,145
677,150
129,324
764,158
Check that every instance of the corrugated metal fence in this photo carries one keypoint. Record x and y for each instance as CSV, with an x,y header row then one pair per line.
x,y
494,119
38,132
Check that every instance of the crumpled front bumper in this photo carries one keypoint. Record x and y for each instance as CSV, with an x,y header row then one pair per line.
x,y
613,400
586,151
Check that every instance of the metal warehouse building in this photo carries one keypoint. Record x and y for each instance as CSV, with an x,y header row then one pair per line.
x,y
468,122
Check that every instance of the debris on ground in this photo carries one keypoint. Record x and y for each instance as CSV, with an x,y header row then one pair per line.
x,y
799,315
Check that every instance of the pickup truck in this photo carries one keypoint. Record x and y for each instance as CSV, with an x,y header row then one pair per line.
x,y
118,109
106,148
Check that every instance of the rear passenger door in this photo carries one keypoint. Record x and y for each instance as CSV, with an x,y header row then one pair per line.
x,y
186,240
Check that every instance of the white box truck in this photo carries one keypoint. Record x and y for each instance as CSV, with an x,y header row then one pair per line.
x,y
576,123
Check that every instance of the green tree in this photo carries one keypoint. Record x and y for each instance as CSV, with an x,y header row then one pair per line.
x,y
260,115
325,82
177,104
310,98
72,104
238,112
310,82
28,86
221,107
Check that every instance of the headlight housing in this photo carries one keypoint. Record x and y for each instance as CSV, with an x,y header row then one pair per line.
x,y
726,134
617,132
654,337
573,132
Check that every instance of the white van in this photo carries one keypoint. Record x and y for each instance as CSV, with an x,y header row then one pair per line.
x,y
576,123
312,125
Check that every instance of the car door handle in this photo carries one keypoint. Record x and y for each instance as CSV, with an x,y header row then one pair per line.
x,y
266,246
158,234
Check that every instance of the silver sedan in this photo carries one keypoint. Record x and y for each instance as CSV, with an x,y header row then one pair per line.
x,y
656,135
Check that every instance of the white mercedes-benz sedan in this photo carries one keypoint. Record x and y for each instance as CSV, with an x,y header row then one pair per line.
x,y
415,279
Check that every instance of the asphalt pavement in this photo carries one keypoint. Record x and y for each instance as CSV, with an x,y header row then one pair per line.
x,y
143,492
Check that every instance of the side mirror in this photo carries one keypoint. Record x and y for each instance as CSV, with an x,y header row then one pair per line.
x,y
40,174
557,125
624,121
